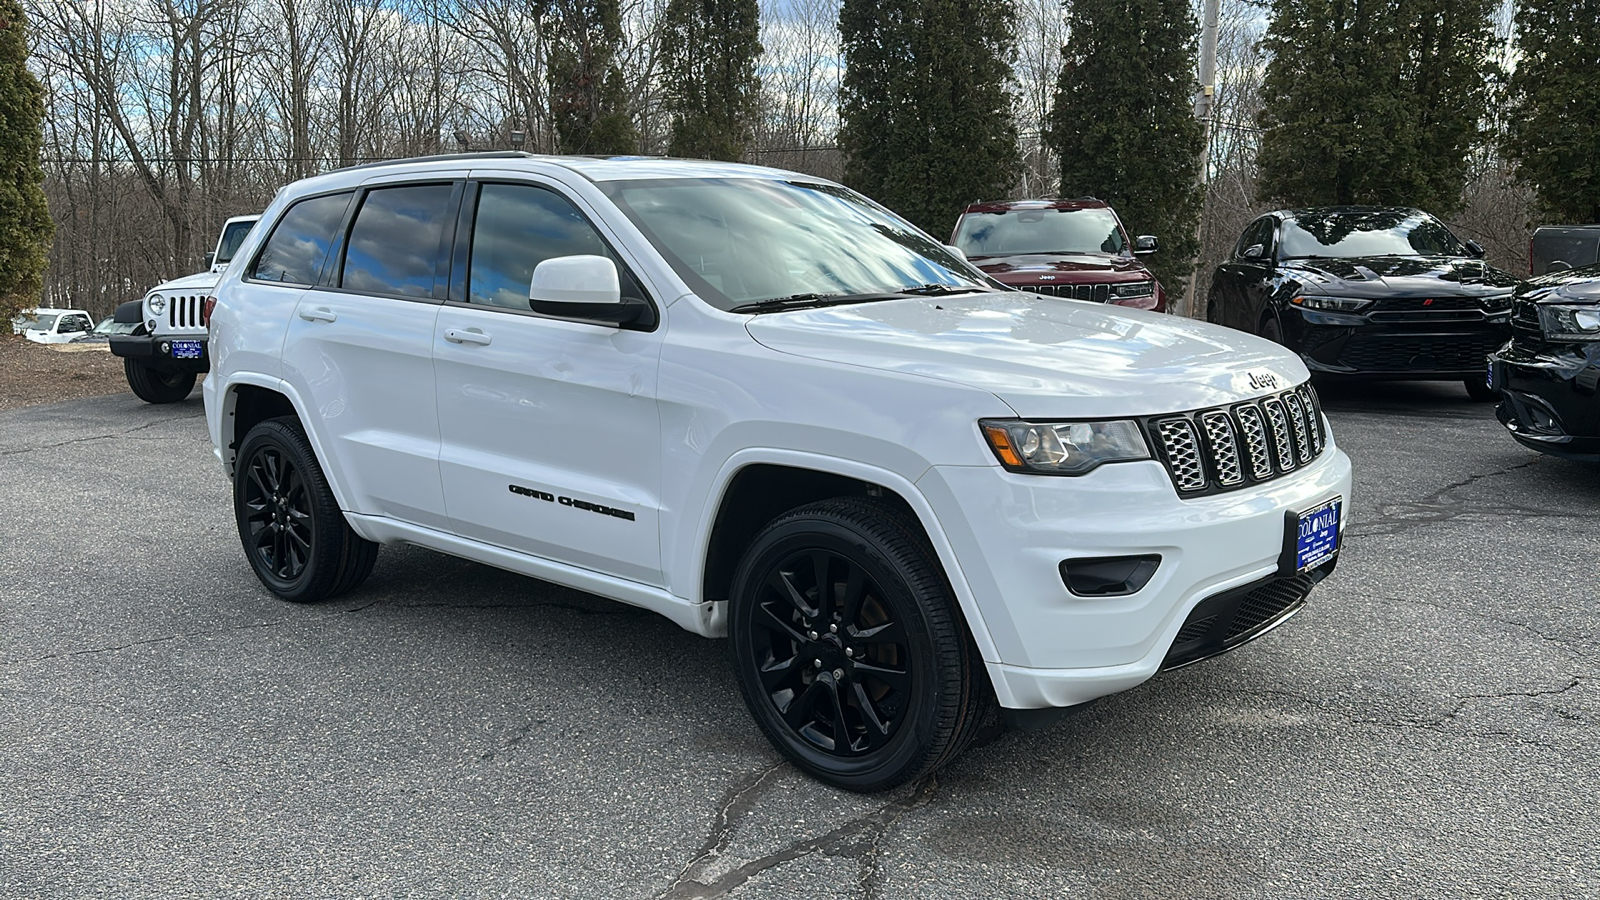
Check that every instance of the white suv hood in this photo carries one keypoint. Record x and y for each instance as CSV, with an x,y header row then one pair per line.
x,y
1045,357
188,284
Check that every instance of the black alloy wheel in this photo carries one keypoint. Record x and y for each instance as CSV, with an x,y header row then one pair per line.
x,y
848,647
153,386
293,532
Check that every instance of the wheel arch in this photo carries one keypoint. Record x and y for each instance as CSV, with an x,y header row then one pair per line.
x,y
754,487
248,401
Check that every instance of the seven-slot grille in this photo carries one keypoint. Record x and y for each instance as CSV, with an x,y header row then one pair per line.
x,y
185,311
1097,293
1230,447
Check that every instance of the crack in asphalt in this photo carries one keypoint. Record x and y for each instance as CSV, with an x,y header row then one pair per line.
x,y
858,839
733,810
1443,505
517,737
97,437
1567,645
1437,724
157,640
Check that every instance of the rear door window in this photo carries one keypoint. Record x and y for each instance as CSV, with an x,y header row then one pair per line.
x,y
394,245
299,244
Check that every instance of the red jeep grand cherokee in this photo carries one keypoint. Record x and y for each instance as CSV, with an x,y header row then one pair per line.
x,y
1060,248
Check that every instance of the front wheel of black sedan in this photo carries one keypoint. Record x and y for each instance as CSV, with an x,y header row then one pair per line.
x,y
849,649
293,533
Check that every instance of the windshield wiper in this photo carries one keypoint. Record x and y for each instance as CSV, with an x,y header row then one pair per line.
x,y
939,290
804,301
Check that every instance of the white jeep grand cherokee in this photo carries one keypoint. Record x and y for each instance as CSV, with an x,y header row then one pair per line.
x,y
768,409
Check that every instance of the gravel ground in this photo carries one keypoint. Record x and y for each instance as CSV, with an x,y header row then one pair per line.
x,y
46,373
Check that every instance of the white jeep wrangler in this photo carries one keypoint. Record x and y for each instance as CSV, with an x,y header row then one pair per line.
x,y
167,351
768,409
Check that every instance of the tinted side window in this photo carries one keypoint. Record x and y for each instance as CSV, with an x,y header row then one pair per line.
x,y
394,243
519,226
300,241
1258,232
232,237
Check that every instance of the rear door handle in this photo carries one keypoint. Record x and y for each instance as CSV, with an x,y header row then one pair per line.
x,y
466,336
319,314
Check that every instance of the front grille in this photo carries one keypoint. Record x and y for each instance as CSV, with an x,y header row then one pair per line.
x,y
1227,448
1427,304
1224,621
185,310
1399,353
1095,293
1525,320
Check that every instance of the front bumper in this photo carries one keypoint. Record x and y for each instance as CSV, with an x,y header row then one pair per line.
x,y
1550,403
1358,346
156,351
1058,649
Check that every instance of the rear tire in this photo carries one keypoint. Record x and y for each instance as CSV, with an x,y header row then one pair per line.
x,y
152,386
1480,391
849,649
293,533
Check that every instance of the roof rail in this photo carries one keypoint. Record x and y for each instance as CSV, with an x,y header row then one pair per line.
x,y
441,157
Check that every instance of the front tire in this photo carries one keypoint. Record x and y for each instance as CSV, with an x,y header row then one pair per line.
x,y
152,386
294,535
1271,330
848,647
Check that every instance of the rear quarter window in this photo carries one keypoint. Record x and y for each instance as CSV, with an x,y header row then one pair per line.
x,y
298,247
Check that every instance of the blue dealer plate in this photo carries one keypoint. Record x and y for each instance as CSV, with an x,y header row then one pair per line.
x,y
1316,534
186,350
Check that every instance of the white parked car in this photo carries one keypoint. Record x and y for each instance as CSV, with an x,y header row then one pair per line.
x,y
768,409
166,352
57,326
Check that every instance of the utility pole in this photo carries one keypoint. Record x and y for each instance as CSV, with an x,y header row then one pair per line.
x,y
1203,100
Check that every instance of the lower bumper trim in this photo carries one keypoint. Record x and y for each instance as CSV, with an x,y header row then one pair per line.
x,y
1233,618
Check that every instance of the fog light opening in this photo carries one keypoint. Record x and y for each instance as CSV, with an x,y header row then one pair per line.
x,y
1109,576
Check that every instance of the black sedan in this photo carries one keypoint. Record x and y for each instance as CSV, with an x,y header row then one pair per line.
x,y
1549,371
1367,292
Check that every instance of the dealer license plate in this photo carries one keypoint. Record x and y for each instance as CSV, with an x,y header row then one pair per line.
x,y
1316,534
187,349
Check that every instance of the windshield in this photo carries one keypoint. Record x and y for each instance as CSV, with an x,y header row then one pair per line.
x,y
1379,232
1022,231
232,237
45,322
737,241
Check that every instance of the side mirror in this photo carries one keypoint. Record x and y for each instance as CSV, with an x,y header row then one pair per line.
x,y
1145,243
581,287
955,251
1254,251
211,258
1475,250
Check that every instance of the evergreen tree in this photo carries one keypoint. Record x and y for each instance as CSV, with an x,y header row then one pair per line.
x,y
926,123
25,226
587,99
1374,101
1554,133
1123,120
709,50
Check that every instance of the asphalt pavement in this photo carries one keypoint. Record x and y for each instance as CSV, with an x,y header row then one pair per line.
x,y
1426,727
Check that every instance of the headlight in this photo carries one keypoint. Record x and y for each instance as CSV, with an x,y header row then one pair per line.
x,y
1570,323
1062,448
1130,289
157,303
1333,304
1500,303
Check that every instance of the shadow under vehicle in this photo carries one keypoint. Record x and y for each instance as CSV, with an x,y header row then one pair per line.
x,y
1548,372
1367,292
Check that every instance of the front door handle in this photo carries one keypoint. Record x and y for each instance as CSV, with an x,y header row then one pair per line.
x,y
319,314
466,336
